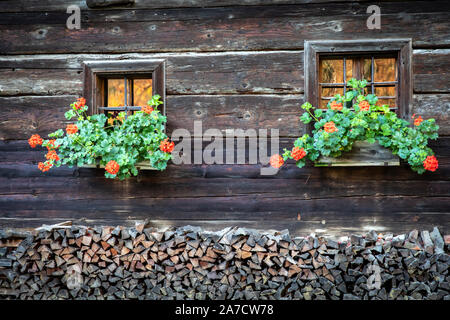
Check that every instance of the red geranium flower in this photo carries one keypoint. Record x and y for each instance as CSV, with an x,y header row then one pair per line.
x,y
35,140
112,167
71,129
330,127
52,155
276,161
418,121
51,144
364,105
147,109
431,163
298,153
336,106
80,103
45,166
166,146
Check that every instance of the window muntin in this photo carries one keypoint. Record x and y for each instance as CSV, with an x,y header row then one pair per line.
x,y
126,93
380,70
131,84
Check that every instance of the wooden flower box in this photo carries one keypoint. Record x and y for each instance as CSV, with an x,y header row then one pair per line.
x,y
362,154
143,165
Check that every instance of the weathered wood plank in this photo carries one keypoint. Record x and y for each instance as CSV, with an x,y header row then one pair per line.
x,y
61,5
406,208
245,171
431,70
16,82
187,73
213,72
139,13
23,116
334,229
227,33
435,106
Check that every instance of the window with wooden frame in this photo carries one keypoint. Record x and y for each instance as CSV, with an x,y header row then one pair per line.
x,y
113,86
385,64
380,70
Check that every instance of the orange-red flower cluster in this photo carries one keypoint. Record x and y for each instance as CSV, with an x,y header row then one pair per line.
x,y
418,121
80,103
330,127
51,144
147,109
112,167
364,105
166,146
334,105
52,155
45,166
71,129
35,140
276,161
298,153
431,163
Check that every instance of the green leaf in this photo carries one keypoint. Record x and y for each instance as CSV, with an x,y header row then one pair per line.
x,y
306,118
69,114
306,106
318,113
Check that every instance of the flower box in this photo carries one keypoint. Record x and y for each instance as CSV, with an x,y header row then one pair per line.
x,y
143,165
362,154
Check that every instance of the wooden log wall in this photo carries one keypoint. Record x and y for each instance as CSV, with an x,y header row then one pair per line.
x,y
230,65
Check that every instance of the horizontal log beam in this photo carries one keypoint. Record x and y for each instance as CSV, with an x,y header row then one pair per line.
x,y
23,116
263,72
218,29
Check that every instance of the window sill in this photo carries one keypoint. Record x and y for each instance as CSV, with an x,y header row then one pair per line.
x,y
363,154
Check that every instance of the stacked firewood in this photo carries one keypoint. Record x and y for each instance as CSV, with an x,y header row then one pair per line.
x,y
75,262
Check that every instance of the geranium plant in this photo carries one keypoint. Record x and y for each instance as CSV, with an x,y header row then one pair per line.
x,y
338,127
115,141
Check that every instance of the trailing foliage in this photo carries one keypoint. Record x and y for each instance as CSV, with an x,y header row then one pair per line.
x,y
117,142
338,127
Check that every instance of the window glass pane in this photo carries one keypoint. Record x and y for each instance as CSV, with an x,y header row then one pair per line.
x,y
390,102
116,93
331,92
384,69
348,69
385,91
367,72
142,91
323,103
331,70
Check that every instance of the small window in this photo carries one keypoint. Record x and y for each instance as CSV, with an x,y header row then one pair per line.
x,y
385,64
127,93
380,70
114,86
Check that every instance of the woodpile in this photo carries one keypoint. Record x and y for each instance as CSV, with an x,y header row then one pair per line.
x,y
76,262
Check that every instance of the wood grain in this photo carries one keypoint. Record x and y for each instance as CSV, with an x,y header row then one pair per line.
x,y
23,116
264,72
426,25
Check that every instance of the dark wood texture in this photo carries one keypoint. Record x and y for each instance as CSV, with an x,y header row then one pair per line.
x,y
232,65
229,28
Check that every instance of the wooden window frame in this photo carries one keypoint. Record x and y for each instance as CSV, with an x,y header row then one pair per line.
x,y
363,154
97,70
403,48
357,65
